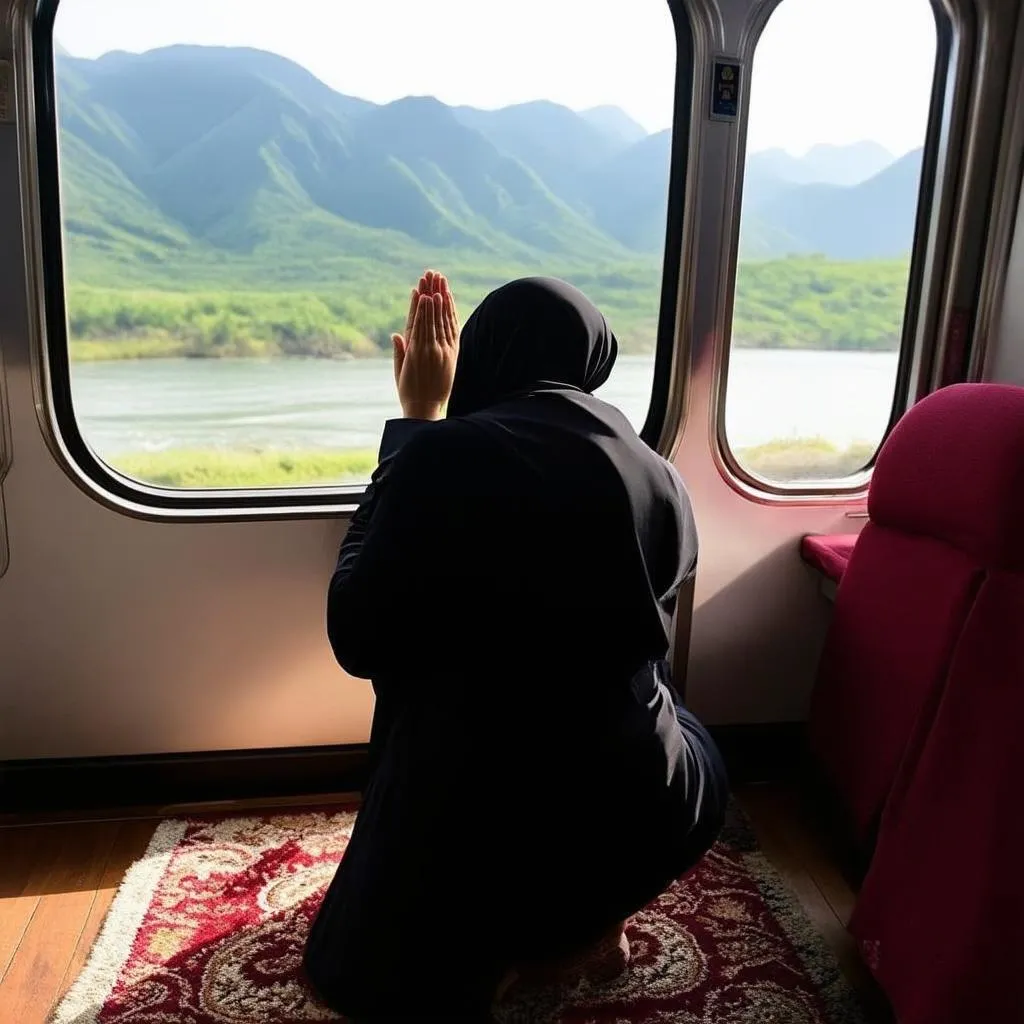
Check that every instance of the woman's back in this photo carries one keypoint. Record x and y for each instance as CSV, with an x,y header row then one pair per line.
x,y
547,537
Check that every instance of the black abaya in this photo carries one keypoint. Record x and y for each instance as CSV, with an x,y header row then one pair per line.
x,y
508,584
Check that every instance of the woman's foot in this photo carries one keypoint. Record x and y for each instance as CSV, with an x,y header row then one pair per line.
x,y
600,963
609,959
511,977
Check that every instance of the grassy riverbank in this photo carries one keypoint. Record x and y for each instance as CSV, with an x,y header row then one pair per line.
x,y
205,468
796,459
788,460
795,303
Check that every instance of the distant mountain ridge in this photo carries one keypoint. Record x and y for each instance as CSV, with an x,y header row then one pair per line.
x,y
823,164
215,153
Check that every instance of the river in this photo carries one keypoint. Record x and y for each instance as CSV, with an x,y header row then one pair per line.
x,y
154,405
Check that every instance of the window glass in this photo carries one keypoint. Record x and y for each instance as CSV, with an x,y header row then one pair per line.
x,y
248,194
838,115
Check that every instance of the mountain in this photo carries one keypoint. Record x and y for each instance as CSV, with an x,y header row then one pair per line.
x,y
871,220
822,164
615,123
185,162
554,141
628,193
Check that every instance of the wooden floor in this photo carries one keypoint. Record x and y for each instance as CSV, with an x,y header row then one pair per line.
x,y
57,881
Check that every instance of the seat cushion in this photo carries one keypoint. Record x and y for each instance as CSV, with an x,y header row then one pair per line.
x,y
829,554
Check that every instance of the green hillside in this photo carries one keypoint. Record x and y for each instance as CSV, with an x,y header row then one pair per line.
x,y
224,202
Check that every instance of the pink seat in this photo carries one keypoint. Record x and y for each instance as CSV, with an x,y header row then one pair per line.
x,y
919,706
937,521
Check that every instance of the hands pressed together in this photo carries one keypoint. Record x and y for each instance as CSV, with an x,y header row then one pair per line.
x,y
425,355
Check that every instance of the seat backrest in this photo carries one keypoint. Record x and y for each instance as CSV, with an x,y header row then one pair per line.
x,y
946,503
940,916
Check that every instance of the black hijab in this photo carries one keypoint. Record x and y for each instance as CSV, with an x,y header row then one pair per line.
x,y
532,334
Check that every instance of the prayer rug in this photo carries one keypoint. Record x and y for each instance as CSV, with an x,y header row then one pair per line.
x,y
209,927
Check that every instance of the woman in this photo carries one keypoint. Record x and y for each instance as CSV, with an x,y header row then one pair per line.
x,y
508,584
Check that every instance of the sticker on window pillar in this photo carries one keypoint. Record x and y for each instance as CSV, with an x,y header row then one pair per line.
x,y
725,90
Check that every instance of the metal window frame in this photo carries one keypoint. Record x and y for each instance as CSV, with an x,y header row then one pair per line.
x,y
44,245
937,196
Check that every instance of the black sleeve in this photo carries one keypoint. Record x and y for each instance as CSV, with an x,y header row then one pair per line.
x,y
396,434
400,563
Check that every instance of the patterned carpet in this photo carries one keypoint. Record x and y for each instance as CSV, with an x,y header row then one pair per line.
x,y
208,928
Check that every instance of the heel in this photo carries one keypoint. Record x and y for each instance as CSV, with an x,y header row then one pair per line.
x,y
608,964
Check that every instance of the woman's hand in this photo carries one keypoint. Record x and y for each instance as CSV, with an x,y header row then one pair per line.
x,y
425,357
428,284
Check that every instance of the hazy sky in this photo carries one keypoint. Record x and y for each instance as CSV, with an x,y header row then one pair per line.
x,y
825,70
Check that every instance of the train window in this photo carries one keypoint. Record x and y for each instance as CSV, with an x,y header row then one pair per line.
x,y
246,200
837,120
